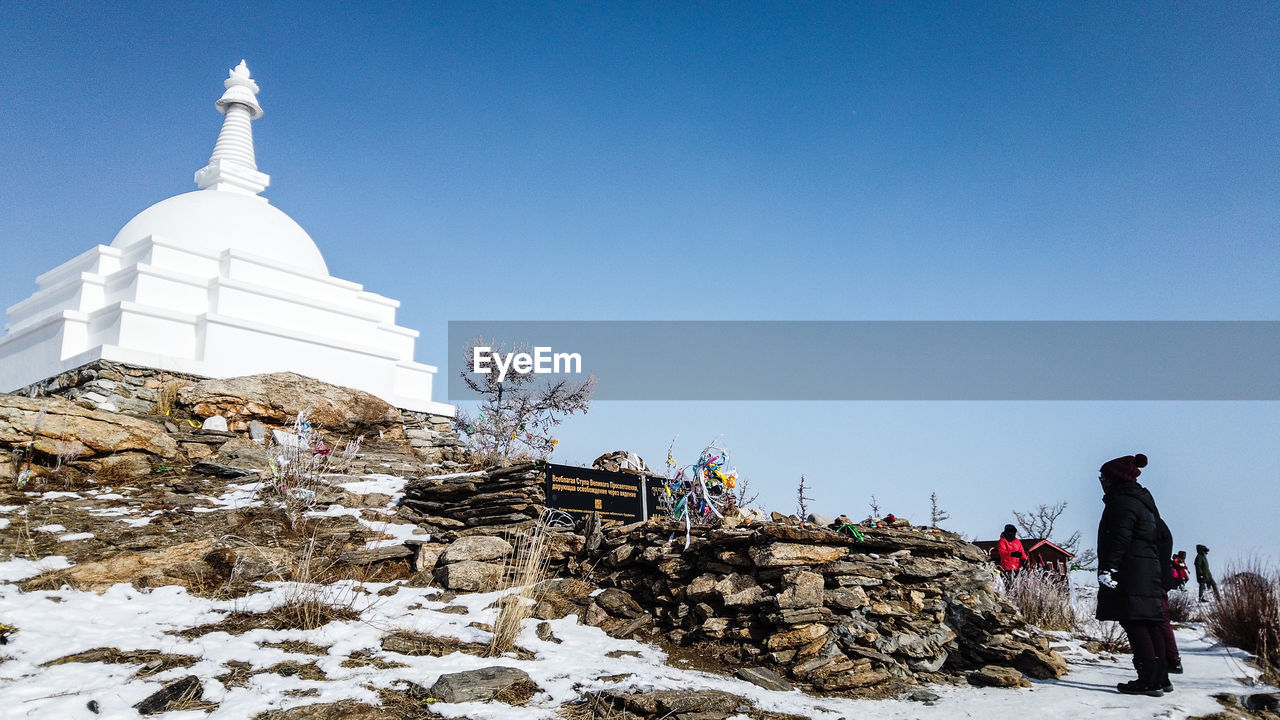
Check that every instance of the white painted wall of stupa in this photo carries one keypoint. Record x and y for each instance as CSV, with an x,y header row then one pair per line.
x,y
216,282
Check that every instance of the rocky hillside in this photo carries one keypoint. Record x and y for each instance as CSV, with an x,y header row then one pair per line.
x,y
150,492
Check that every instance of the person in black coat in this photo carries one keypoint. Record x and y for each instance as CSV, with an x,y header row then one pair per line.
x,y
1135,551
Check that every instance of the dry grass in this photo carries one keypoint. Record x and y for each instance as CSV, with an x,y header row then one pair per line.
x,y
167,397
20,531
593,707
316,594
310,610
528,567
112,474
406,700
1043,598
1248,615
191,699
310,605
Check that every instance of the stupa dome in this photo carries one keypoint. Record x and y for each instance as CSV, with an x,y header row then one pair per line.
x,y
216,283
209,222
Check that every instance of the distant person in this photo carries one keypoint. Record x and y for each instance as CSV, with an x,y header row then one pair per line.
x,y
1134,560
1009,553
1204,576
1177,580
1180,572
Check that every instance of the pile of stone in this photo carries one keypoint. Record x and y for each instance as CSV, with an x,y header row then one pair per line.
x,y
432,437
467,503
822,608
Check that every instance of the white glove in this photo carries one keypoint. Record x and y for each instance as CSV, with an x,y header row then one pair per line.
x,y
1105,580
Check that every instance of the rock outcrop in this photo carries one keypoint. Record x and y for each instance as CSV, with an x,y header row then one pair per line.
x,y
74,430
823,608
784,605
135,400
276,399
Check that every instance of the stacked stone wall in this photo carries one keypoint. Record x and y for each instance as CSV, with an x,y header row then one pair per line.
x,y
823,608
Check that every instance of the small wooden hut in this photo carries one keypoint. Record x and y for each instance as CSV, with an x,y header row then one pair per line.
x,y
1041,553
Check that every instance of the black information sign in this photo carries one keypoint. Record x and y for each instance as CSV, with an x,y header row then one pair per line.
x,y
617,496
656,494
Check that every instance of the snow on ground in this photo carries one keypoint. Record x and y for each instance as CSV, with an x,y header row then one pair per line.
x,y
54,624
241,495
390,485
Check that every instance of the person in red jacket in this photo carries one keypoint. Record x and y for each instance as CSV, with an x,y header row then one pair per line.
x,y
1009,552
1180,572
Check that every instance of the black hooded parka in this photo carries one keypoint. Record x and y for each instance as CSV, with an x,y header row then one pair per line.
x,y
1136,544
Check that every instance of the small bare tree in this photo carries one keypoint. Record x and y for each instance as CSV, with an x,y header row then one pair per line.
x,y
517,413
936,513
1041,523
802,498
743,494
875,508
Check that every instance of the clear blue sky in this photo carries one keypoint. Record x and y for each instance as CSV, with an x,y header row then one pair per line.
x,y
730,161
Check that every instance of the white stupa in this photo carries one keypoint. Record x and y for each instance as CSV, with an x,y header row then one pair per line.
x,y
216,282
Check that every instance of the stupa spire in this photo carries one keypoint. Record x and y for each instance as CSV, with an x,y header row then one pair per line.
x,y
232,167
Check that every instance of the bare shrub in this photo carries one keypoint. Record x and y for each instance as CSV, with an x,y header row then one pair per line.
x,y
936,513
1042,521
1111,637
1248,615
299,463
803,498
744,496
1183,607
1103,635
516,415
1043,598
528,567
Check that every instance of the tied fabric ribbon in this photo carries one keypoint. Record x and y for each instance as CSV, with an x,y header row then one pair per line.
x,y
855,532
699,493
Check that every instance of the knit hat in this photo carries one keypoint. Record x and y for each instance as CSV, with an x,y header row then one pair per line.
x,y
1010,530
1124,468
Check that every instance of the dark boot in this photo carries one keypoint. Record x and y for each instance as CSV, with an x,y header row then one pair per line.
x,y
1175,666
1145,684
1161,676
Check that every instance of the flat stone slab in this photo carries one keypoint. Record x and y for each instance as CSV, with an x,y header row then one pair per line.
x,y
219,470
480,685
764,677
